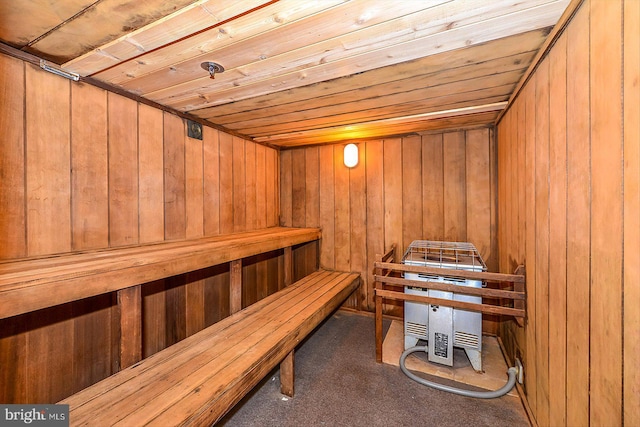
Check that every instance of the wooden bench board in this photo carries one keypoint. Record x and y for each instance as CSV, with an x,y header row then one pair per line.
x,y
32,284
196,381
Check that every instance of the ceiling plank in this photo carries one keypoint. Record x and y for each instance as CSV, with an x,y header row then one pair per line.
x,y
199,16
295,71
272,17
25,21
99,24
423,87
324,93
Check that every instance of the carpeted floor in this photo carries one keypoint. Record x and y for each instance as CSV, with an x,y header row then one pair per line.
x,y
339,383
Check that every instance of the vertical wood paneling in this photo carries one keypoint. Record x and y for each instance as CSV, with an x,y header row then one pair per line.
x,y
123,170
273,187
557,232
194,191
175,226
578,220
582,147
327,203
358,232
12,162
226,183
239,189
298,191
411,189
478,191
455,209
251,197
48,163
286,189
433,187
312,187
392,180
342,237
85,156
631,374
261,186
89,184
375,213
150,174
606,213
531,377
542,240
211,166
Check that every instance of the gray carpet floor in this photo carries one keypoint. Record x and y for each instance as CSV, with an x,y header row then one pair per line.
x,y
339,383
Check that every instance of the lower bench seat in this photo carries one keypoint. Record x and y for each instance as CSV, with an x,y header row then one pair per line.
x,y
197,381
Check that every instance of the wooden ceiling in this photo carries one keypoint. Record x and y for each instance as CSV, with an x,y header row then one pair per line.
x,y
297,72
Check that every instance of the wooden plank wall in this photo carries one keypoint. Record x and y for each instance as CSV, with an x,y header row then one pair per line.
x,y
81,169
569,207
438,186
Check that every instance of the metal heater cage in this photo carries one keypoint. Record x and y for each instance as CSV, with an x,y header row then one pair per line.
x,y
444,327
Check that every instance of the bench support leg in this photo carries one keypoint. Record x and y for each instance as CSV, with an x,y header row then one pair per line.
x,y
235,294
378,329
286,375
130,308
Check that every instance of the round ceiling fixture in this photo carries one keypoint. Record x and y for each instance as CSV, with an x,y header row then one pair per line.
x,y
212,68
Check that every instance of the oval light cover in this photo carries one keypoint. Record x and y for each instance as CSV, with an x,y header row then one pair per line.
x,y
350,155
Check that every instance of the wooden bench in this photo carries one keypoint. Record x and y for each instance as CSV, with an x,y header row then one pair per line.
x,y
196,381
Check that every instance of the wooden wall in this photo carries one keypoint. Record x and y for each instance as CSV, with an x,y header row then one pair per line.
x,y
569,207
81,169
438,186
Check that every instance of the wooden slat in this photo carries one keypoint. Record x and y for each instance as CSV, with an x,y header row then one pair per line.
x,y
12,162
455,207
327,203
411,189
558,232
478,196
261,186
486,292
211,181
529,99
273,188
239,188
312,187
342,236
375,213
445,272
154,318
286,189
33,289
48,183
175,226
298,188
195,301
392,164
358,227
433,187
150,174
606,213
631,377
194,188
542,241
226,183
123,171
451,303
250,182
578,220
89,183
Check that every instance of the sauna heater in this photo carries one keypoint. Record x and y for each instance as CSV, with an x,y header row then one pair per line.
x,y
444,327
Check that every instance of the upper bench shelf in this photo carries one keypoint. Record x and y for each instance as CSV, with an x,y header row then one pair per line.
x,y
35,283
